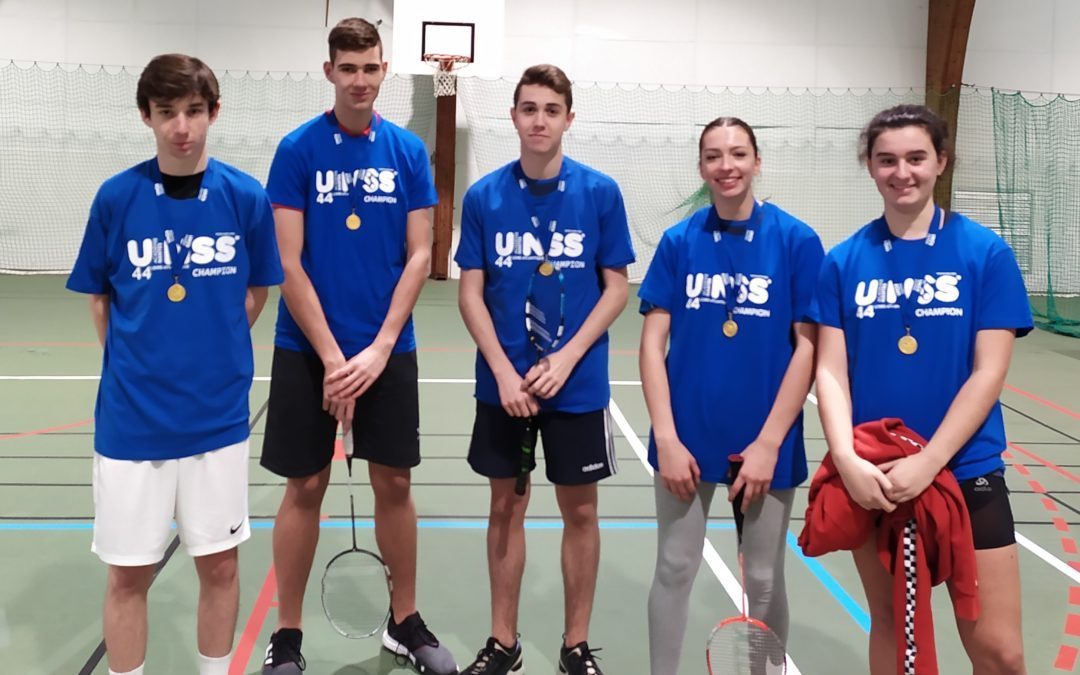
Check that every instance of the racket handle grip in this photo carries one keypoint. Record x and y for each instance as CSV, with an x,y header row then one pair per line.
x,y
528,455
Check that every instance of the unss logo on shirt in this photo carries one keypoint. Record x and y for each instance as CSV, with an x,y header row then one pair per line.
x,y
713,288
511,246
378,185
878,294
151,254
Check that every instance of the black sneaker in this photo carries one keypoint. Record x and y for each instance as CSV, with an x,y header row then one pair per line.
x,y
494,659
283,655
578,660
412,640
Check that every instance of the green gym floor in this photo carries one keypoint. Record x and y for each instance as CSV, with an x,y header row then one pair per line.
x,y
50,600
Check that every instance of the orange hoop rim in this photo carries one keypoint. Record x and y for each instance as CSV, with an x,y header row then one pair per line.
x,y
447,61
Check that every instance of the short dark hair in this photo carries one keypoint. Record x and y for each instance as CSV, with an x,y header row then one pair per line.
x,y
728,122
546,75
171,76
353,35
906,115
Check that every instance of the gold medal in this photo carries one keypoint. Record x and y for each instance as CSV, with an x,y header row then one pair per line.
x,y
177,292
730,328
908,345
353,221
546,268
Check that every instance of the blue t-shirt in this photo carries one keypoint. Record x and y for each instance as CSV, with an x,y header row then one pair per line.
x,y
328,174
175,375
498,237
763,271
967,281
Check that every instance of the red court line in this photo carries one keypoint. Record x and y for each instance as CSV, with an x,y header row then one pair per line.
x,y
1043,401
1074,595
1072,625
1060,524
1068,544
1066,658
1047,463
1022,470
49,430
1049,504
246,646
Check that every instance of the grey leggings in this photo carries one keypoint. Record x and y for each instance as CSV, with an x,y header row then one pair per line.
x,y
678,556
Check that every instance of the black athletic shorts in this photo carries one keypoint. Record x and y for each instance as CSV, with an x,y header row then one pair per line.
x,y
987,501
300,435
578,447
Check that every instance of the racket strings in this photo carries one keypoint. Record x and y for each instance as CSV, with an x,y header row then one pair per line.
x,y
356,594
743,646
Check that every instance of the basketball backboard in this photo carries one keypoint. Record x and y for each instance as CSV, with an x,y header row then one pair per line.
x,y
471,28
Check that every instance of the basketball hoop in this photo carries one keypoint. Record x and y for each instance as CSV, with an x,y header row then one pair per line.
x,y
445,77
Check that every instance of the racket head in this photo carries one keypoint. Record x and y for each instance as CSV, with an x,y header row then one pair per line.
x,y
545,308
741,645
356,589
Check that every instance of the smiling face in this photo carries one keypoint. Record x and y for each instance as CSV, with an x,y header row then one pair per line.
x,y
541,117
905,166
180,127
728,163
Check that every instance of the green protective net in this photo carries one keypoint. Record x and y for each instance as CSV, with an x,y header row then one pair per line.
x,y
1037,154
65,129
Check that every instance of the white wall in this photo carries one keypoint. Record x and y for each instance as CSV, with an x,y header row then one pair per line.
x,y
801,43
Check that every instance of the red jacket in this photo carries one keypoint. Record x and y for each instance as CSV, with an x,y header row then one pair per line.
x,y
943,546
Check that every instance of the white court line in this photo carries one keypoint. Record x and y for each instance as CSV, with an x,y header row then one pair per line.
x,y
1038,551
723,573
1048,558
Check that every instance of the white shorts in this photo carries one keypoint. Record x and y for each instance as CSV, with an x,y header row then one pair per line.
x,y
135,503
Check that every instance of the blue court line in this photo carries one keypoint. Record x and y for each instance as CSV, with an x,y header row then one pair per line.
x,y
816,568
477,524
832,585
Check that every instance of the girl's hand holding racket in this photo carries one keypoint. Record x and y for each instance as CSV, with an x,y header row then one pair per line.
x,y
756,473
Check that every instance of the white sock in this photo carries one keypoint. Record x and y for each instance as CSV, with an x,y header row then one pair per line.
x,y
214,665
137,671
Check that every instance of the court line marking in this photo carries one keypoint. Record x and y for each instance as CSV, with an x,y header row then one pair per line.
x,y
731,585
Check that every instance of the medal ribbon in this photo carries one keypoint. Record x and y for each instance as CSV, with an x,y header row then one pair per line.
x,y
904,299
555,202
350,187
719,227
179,247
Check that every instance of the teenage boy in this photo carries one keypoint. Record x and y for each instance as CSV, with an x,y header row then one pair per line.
x,y
352,195
177,255
542,214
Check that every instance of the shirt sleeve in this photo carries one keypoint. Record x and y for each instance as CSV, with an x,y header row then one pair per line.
x,y
262,243
826,307
657,290
287,182
90,274
420,190
616,249
470,250
1003,298
806,271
